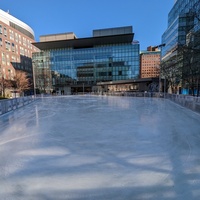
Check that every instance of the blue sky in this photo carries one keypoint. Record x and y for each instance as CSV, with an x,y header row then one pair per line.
x,y
148,17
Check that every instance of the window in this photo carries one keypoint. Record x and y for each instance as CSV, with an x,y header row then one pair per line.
x,y
10,74
8,46
16,48
0,29
5,32
8,59
13,47
3,58
13,59
22,51
11,34
20,39
24,41
16,37
28,43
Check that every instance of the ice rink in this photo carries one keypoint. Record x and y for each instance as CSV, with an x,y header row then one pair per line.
x,y
100,148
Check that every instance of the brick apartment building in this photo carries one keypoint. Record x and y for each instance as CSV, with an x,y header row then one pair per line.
x,y
16,47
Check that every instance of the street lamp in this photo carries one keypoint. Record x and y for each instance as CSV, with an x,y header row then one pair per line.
x,y
34,82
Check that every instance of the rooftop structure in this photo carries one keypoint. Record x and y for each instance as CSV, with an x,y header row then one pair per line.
x,y
17,24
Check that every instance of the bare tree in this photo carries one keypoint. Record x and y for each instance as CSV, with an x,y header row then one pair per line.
x,y
4,84
190,63
21,81
171,71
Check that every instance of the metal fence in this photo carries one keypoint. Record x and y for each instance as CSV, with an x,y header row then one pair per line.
x,y
8,105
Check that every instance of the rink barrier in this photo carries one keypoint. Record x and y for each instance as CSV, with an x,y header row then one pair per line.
x,y
8,105
191,102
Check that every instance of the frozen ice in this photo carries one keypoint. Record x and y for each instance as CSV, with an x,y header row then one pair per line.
x,y
99,147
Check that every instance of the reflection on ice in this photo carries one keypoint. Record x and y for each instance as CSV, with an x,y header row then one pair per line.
x,y
88,147
45,152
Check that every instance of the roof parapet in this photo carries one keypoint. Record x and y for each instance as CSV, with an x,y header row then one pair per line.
x,y
58,37
113,31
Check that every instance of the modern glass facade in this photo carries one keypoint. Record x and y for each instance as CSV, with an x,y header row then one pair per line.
x,y
178,55
68,69
181,19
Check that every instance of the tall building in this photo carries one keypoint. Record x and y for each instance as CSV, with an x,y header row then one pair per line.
x,y
181,19
67,64
181,39
150,63
16,47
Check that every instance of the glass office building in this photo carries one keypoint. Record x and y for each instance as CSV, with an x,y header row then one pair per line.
x,y
67,64
181,19
183,22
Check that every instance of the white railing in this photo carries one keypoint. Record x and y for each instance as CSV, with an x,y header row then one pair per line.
x,y
190,102
8,105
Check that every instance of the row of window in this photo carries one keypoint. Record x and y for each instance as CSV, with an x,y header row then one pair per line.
x,y
177,23
6,73
15,37
106,74
150,57
150,62
6,59
14,48
105,63
149,68
149,71
103,78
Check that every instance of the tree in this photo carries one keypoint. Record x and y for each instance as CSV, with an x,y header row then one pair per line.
x,y
4,84
21,81
172,72
190,63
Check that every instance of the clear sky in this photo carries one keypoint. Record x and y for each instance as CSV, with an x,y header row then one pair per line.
x,y
148,17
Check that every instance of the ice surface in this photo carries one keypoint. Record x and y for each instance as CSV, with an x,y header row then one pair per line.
x,y
98,147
